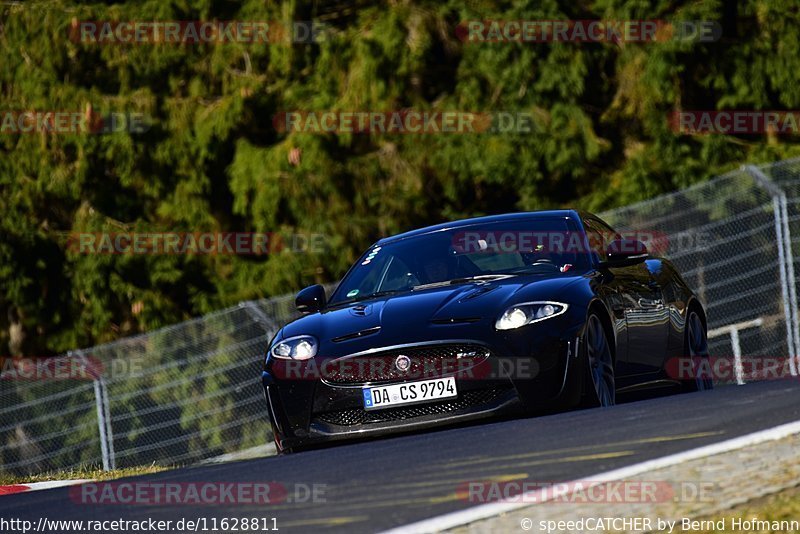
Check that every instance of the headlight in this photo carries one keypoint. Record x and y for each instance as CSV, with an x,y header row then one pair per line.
x,y
295,348
529,312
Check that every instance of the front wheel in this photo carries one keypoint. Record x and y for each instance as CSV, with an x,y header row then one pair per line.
x,y
600,388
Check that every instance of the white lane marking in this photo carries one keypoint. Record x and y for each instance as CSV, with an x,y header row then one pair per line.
x,y
484,511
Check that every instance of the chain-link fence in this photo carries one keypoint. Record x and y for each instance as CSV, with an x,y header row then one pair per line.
x,y
190,392
727,237
176,395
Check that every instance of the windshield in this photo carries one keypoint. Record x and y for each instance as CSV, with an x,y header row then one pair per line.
x,y
508,248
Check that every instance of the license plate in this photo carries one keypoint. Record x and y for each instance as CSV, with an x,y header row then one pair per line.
x,y
377,397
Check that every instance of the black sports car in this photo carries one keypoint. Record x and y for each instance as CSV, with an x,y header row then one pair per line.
x,y
515,313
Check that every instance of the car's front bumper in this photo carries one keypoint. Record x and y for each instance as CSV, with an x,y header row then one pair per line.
x,y
306,410
358,423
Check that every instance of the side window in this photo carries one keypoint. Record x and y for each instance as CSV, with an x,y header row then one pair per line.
x,y
597,244
397,276
606,234
609,234
367,277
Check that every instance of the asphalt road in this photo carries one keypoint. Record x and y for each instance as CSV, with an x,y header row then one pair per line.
x,y
386,483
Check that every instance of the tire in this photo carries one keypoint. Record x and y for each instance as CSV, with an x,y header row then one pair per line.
x,y
599,384
695,346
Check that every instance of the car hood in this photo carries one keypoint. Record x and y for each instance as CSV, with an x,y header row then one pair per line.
x,y
409,316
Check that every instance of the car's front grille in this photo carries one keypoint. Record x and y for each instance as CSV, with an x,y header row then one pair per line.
x,y
359,416
424,361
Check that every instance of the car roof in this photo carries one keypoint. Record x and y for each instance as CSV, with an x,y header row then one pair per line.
x,y
463,223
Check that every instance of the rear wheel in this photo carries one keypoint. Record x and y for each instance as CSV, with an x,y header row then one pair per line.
x,y
696,348
600,388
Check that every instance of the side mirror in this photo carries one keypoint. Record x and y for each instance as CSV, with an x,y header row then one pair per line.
x,y
310,299
625,251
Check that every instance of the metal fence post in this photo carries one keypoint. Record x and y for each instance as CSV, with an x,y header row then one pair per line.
x,y
258,315
102,427
112,460
103,414
737,356
733,331
793,358
785,260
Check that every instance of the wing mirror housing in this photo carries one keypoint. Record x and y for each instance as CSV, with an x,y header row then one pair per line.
x,y
623,251
310,299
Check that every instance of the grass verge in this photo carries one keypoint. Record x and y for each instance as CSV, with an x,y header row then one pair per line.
x,y
781,506
93,473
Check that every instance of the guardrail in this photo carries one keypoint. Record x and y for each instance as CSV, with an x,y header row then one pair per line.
x,y
733,331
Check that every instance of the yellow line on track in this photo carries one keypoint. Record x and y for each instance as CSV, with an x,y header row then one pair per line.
x,y
627,443
384,502
323,522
